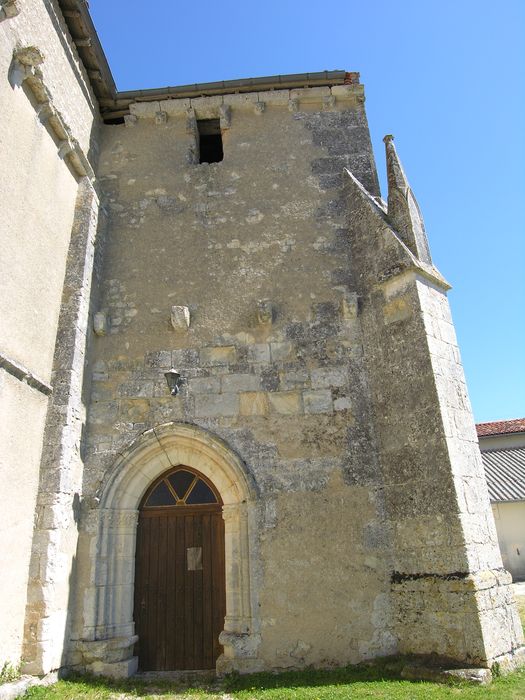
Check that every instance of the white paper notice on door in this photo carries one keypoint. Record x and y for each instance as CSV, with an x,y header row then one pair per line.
x,y
194,558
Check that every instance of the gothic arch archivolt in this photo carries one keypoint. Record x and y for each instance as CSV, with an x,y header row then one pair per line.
x,y
108,602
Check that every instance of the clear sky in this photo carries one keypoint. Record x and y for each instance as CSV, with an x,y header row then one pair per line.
x,y
446,77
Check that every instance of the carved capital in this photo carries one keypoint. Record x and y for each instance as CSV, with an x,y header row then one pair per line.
x,y
240,645
233,513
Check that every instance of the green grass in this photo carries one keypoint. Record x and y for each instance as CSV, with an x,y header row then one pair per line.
x,y
9,673
379,681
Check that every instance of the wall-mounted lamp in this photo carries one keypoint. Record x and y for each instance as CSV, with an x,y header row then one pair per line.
x,y
174,381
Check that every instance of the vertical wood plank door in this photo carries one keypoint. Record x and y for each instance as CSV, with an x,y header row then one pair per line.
x,y
180,599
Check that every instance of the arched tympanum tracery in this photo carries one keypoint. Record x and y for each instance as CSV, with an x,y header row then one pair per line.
x,y
180,487
108,601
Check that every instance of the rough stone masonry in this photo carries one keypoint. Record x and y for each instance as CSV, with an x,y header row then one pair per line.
x,y
321,389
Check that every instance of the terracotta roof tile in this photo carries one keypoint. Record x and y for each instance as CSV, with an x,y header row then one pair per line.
x,y
501,427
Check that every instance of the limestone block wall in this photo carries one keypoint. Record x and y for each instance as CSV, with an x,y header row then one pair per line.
x,y
282,383
450,594
43,89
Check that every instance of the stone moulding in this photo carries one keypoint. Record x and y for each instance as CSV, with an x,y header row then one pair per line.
x,y
110,527
221,106
25,70
24,375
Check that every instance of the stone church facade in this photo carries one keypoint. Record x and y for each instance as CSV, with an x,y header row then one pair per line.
x,y
308,490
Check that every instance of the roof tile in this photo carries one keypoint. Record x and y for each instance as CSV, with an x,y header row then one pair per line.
x,y
501,427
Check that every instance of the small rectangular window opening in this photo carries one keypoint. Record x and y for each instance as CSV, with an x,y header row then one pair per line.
x,y
114,120
210,141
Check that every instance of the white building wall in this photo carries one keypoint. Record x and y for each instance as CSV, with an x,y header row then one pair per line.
x,y
38,191
510,526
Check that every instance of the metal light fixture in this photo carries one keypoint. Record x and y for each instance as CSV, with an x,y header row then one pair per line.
x,y
174,381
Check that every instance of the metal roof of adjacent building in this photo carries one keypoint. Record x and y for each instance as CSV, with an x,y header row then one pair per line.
x,y
505,472
501,427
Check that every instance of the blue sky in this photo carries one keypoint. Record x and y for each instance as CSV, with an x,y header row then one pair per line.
x,y
447,77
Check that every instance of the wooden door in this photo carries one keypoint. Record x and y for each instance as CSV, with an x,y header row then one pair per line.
x,y
179,574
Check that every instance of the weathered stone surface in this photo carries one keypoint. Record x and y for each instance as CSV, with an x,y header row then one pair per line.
x,y
285,402
240,382
205,385
322,390
325,377
319,401
212,405
259,352
100,325
217,356
253,403
180,318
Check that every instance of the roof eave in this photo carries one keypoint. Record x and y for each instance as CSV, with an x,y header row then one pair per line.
x,y
91,53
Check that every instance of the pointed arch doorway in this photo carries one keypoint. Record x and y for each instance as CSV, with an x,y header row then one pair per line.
x,y
180,599
106,615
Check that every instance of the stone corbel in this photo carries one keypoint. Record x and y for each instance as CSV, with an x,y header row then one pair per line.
x,y
180,318
26,68
264,312
25,65
8,9
100,323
